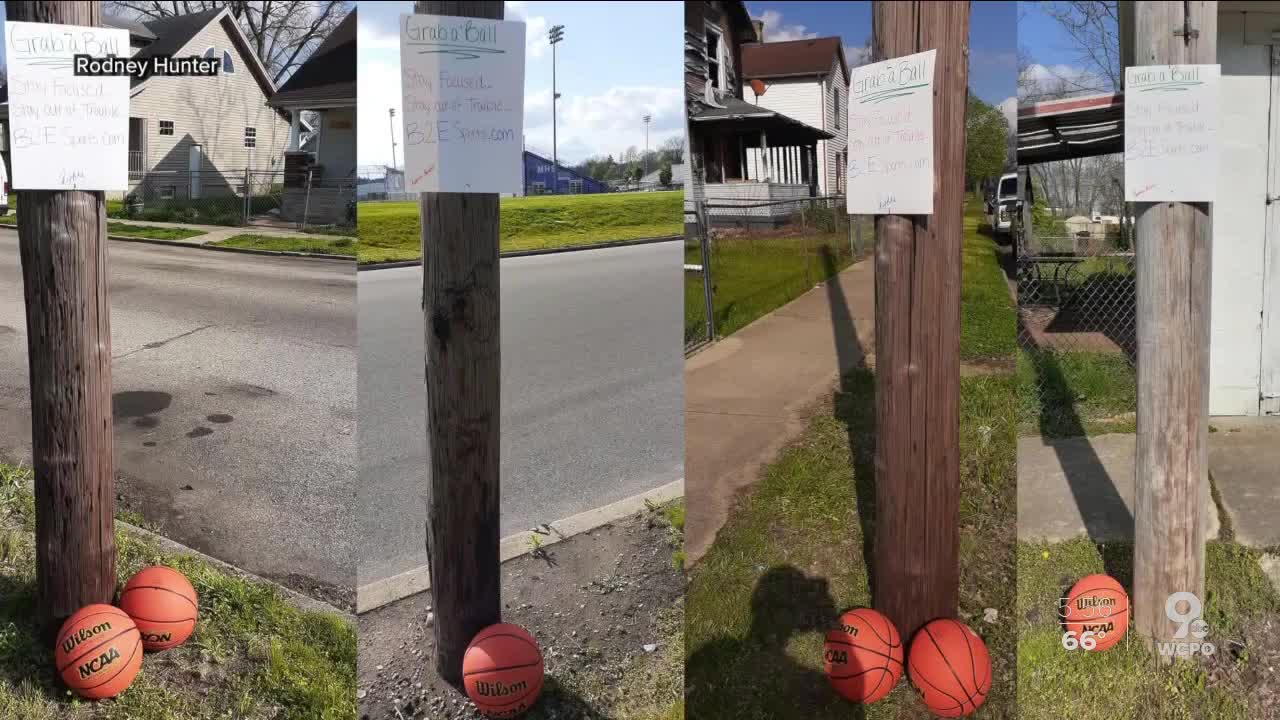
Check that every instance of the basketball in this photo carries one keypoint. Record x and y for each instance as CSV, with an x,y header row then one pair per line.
x,y
863,657
163,604
502,670
1098,604
98,652
950,666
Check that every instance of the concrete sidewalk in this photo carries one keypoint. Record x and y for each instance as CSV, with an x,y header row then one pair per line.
x,y
745,396
1077,486
212,233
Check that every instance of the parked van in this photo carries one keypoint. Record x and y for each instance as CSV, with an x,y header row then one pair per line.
x,y
4,184
1006,200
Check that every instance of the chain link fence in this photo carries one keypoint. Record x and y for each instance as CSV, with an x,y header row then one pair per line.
x,y
1076,324
250,198
745,259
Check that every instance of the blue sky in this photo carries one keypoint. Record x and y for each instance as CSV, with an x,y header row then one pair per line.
x,y
617,62
1051,50
993,28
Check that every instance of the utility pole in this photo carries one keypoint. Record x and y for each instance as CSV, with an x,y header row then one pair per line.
x,y
555,34
463,374
916,573
1173,253
63,244
647,119
392,113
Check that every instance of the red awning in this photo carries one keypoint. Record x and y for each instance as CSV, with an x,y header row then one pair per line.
x,y
1071,128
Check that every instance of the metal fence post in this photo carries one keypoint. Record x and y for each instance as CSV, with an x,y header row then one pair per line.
x,y
306,205
704,239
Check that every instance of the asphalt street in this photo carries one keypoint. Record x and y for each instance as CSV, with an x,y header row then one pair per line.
x,y
234,388
592,403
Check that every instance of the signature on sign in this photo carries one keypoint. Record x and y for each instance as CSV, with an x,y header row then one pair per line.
x,y
421,177
1142,191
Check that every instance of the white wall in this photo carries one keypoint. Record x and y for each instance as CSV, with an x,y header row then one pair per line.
x,y
1239,222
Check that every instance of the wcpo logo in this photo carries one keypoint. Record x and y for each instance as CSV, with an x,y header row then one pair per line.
x,y
500,689
1189,624
99,663
83,634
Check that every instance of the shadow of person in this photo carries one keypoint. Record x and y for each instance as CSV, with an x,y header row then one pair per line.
x,y
755,676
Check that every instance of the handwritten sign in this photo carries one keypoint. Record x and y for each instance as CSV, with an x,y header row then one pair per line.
x,y
66,132
1171,133
463,86
890,167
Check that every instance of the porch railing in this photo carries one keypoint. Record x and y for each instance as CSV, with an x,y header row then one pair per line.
x,y
135,161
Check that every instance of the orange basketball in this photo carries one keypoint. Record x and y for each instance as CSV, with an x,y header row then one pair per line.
x,y
98,652
1097,604
863,657
163,604
502,670
950,666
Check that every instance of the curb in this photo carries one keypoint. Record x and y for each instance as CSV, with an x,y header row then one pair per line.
x,y
411,582
220,248
293,597
532,253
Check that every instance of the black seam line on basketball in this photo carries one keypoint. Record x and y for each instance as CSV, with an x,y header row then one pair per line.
x,y
864,649
120,669
947,662
521,638
95,647
973,666
513,702
157,587
916,674
117,614
961,629
500,669
882,676
877,633
136,618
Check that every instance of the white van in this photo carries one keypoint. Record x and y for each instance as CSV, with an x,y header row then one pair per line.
x,y
4,185
1006,200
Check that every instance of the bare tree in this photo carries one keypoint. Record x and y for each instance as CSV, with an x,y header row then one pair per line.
x,y
673,148
283,34
1094,29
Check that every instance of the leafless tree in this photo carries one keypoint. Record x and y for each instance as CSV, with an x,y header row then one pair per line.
x,y
673,148
283,34
1093,26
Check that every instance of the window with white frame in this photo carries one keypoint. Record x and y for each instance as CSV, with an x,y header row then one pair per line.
x,y
715,57
835,101
228,66
251,137
167,192
166,127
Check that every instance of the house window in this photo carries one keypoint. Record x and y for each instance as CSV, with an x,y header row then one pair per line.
x,y
715,57
228,67
575,187
835,96
537,188
251,137
167,192
166,127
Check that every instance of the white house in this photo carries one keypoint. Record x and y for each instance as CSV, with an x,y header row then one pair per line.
x,y
807,80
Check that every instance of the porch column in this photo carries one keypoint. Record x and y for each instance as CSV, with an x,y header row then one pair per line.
x,y
295,129
764,154
813,170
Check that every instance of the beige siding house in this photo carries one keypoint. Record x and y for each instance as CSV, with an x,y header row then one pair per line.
x,y
202,132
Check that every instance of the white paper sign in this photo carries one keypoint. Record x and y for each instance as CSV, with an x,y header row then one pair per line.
x,y
463,85
1171,133
890,167
66,132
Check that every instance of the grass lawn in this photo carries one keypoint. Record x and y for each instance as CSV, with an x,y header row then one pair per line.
x,y
253,656
753,275
988,330
1125,681
319,244
1068,394
793,554
391,230
141,231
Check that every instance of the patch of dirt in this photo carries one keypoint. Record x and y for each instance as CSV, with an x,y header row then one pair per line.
x,y
599,604
1249,667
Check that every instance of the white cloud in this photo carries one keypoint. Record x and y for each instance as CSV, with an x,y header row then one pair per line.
x,y
370,37
775,30
604,124
1042,82
379,84
535,32
857,56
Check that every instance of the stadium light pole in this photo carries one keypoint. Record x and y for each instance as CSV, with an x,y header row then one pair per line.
x,y
391,112
647,119
555,35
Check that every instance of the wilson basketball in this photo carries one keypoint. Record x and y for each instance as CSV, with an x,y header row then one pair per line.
x,y
950,667
98,652
502,670
1098,604
163,604
863,657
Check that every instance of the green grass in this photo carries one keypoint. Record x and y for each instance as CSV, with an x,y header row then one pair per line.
x,y
391,231
140,231
988,330
757,272
319,245
253,655
1068,394
1125,681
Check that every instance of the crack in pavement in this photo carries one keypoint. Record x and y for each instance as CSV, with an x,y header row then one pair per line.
x,y
162,343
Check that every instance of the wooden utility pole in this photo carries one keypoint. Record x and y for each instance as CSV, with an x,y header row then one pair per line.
x,y
917,559
463,371
62,240
1174,244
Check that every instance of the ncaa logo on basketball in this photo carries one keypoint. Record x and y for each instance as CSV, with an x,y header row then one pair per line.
x,y
1184,609
837,657
97,664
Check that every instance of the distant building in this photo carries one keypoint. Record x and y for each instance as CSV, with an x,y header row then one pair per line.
x,y
388,186
541,179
